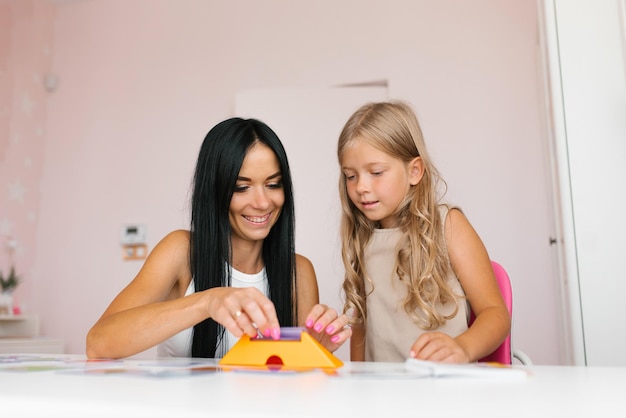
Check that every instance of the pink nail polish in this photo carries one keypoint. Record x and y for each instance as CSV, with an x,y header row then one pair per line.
x,y
335,338
267,332
309,323
318,327
276,333
330,329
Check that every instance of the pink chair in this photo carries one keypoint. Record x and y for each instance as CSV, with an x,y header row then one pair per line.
x,y
504,354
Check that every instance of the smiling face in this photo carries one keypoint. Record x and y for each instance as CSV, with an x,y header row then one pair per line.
x,y
376,182
258,197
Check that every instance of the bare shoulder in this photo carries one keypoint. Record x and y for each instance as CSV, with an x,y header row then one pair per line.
x,y
179,237
308,292
173,245
305,273
164,275
168,262
457,225
455,216
304,265
466,251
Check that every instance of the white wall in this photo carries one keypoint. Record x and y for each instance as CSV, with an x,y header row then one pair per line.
x,y
142,81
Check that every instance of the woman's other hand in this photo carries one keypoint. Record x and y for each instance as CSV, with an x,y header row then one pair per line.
x,y
329,328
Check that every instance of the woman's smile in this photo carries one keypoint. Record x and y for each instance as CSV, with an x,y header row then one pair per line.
x,y
258,219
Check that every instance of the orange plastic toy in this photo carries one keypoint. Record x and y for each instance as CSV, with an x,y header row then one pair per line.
x,y
296,349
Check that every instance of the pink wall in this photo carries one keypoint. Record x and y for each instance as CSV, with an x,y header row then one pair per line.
x,y
140,83
25,58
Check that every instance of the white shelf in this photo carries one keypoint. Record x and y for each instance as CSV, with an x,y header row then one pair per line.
x,y
14,317
20,334
19,326
31,345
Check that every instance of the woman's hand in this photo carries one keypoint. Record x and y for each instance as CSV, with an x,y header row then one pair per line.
x,y
329,328
437,346
243,311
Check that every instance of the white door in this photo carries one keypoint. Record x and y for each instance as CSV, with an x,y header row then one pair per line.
x,y
586,43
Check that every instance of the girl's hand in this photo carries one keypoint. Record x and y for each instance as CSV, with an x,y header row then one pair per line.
x,y
329,328
243,311
437,346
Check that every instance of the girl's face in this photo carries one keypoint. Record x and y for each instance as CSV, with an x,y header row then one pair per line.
x,y
258,197
377,182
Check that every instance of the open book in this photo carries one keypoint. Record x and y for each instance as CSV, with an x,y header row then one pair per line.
x,y
478,370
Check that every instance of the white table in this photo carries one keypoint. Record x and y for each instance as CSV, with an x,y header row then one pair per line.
x,y
548,391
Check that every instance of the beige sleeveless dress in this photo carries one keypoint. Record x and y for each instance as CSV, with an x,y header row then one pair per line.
x,y
390,331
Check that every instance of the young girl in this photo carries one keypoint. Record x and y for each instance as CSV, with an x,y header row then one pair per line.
x,y
235,271
411,263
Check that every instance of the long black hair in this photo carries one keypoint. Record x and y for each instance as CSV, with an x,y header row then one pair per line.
x,y
219,162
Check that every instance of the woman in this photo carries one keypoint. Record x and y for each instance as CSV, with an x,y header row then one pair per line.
x,y
235,272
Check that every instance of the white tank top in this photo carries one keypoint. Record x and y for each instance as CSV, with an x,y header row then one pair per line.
x,y
179,345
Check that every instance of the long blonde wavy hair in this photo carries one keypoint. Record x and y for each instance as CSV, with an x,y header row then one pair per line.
x,y
422,263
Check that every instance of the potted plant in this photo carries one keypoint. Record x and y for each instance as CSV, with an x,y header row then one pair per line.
x,y
7,286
